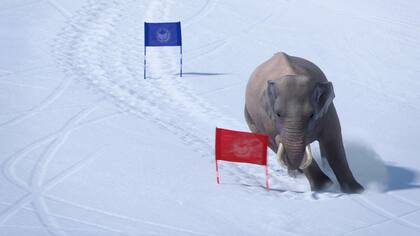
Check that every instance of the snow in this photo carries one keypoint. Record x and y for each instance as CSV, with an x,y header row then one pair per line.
x,y
90,148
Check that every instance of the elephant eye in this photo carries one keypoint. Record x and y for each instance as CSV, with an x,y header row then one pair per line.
x,y
311,116
278,114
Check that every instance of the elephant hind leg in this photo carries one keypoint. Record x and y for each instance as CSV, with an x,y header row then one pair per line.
x,y
316,177
250,122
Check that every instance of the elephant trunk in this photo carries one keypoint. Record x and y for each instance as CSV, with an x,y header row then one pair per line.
x,y
294,144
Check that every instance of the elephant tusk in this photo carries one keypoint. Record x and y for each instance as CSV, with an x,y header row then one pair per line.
x,y
280,154
307,160
277,139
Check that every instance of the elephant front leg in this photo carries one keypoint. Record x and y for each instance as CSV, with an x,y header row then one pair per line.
x,y
333,150
316,177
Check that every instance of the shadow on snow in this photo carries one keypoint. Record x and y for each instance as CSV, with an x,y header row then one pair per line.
x,y
373,173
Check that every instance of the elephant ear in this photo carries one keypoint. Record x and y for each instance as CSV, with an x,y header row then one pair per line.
x,y
323,97
270,97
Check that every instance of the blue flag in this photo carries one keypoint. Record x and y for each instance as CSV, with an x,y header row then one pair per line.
x,y
162,34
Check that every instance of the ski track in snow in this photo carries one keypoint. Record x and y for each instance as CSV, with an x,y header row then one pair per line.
x,y
198,15
20,6
37,188
370,205
51,98
215,46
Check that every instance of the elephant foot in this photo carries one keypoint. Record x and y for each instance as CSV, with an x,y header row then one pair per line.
x,y
352,187
320,184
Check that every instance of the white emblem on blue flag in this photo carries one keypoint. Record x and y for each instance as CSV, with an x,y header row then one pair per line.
x,y
163,35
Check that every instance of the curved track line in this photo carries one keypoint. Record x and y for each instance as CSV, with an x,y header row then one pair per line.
x,y
59,178
40,171
104,228
41,168
123,217
405,200
14,208
14,8
57,92
372,18
11,162
204,11
219,44
23,71
371,206
69,229
22,85
63,11
50,109
42,211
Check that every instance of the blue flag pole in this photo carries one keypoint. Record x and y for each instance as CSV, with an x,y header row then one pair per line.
x,y
181,61
145,61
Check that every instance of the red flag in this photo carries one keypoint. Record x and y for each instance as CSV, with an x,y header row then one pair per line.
x,y
236,146
239,146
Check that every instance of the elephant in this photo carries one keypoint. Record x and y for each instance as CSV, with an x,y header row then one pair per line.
x,y
290,100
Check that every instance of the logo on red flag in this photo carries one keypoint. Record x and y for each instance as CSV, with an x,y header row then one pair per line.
x,y
237,146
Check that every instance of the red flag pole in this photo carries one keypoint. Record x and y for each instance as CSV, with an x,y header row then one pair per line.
x,y
217,173
266,178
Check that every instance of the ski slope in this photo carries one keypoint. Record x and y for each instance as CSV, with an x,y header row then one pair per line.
x,y
89,148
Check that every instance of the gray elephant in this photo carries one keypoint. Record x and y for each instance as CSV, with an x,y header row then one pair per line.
x,y
289,99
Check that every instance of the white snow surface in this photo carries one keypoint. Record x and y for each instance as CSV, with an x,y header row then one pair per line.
x,y
90,148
